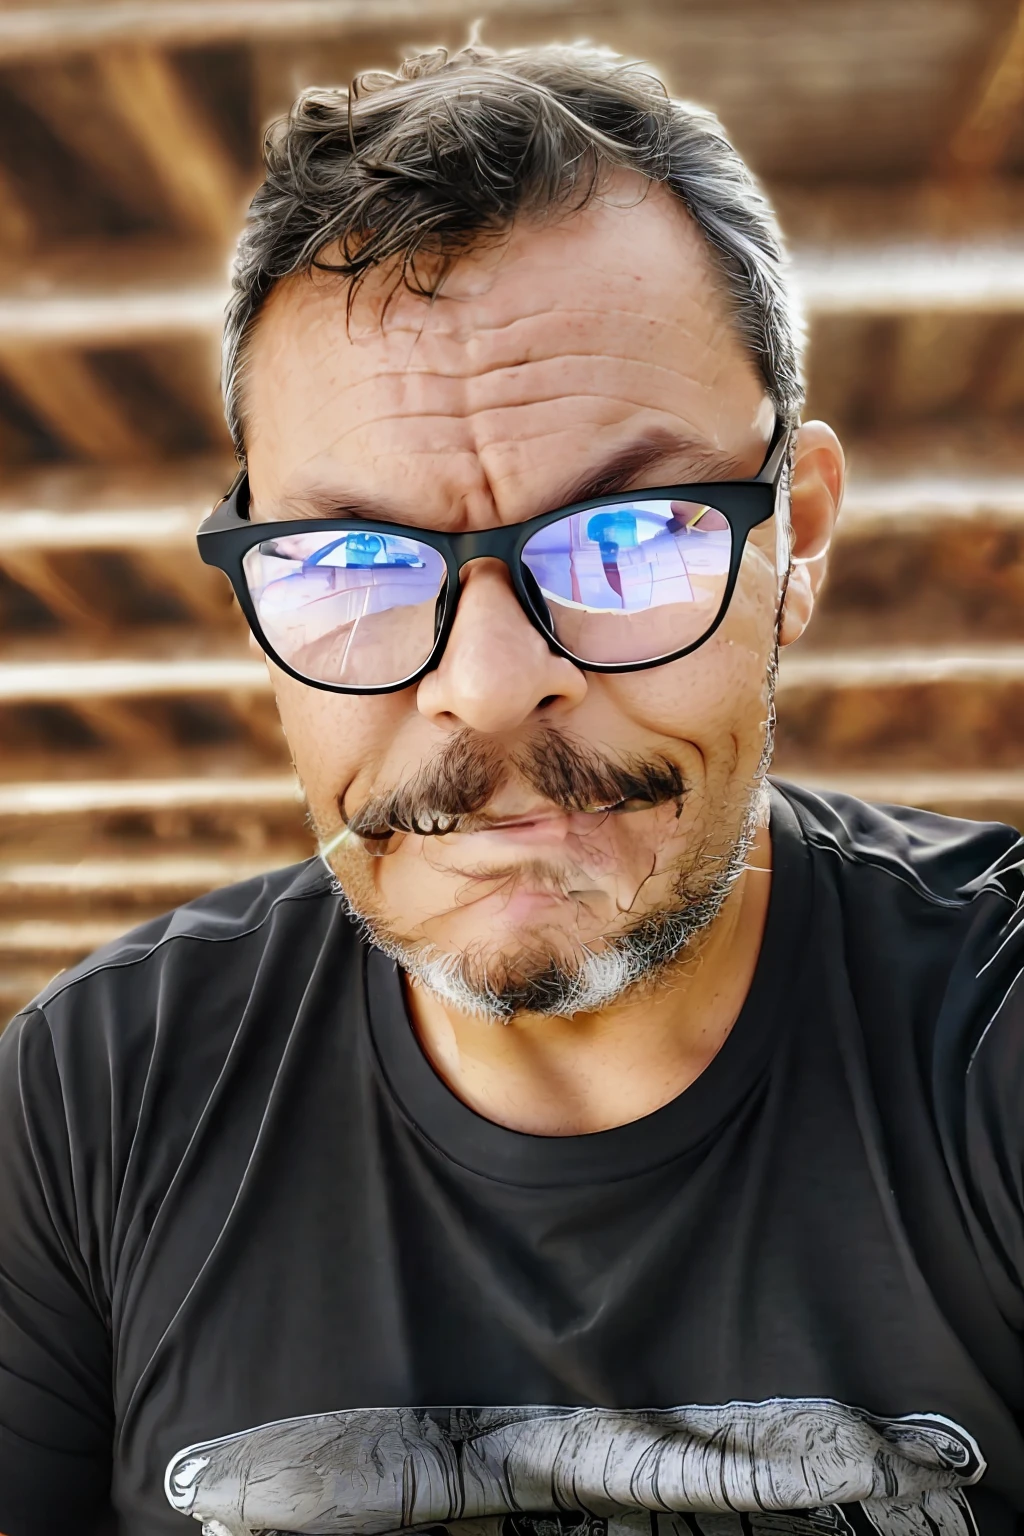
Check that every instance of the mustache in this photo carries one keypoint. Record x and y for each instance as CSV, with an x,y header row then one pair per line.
x,y
449,793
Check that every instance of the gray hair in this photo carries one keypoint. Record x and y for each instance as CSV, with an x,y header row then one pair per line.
x,y
409,170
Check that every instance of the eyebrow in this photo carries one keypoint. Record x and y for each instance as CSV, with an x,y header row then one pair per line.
x,y
657,446
614,474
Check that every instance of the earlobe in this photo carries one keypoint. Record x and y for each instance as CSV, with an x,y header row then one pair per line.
x,y
819,471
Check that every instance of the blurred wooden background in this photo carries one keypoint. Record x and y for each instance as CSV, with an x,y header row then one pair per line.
x,y
141,758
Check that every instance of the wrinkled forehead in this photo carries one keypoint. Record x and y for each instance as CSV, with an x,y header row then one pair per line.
x,y
556,335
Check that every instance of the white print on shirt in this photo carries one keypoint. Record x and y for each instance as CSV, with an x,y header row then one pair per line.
x,y
807,1466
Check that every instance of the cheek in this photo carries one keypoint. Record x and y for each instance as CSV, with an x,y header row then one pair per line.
x,y
716,698
332,737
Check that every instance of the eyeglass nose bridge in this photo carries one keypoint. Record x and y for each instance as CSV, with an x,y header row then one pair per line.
x,y
484,544
502,543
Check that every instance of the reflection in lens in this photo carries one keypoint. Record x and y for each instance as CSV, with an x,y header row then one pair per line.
x,y
632,581
354,608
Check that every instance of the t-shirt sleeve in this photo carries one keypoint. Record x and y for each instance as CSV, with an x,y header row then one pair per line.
x,y
55,1357
994,1121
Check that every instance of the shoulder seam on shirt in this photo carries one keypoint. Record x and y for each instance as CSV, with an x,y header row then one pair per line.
x,y
114,964
830,845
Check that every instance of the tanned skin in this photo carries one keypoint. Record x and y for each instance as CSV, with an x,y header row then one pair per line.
x,y
575,341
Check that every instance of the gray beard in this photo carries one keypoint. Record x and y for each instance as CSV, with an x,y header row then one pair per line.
x,y
633,960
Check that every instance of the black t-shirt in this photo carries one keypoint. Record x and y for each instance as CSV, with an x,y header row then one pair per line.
x,y
258,1266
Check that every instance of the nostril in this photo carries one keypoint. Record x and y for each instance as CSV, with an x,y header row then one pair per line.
x,y
547,701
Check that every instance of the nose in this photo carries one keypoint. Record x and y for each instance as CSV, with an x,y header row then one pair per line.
x,y
497,669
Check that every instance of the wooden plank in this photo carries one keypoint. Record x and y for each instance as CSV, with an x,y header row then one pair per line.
x,y
981,137
40,31
74,681
151,528
95,315
914,501
900,666
94,796
63,391
938,277
185,153
149,877
69,939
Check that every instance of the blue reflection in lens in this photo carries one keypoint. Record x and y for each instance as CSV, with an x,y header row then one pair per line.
x,y
632,556
361,549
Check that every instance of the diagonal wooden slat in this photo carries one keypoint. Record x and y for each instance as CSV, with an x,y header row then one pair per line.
x,y
17,231
981,137
68,94
185,153
34,570
60,387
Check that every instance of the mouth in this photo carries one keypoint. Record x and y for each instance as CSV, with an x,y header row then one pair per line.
x,y
554,785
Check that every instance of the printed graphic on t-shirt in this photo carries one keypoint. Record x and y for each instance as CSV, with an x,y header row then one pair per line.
x,y
807,1466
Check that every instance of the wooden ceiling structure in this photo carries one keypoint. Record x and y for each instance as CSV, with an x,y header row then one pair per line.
x,y
140,756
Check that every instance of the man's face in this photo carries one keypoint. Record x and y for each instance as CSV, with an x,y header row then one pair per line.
x,y
546,357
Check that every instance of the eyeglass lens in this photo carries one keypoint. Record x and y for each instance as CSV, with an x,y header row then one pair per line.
x,y
623,583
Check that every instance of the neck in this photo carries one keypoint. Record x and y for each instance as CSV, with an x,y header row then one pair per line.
x,y
570,1077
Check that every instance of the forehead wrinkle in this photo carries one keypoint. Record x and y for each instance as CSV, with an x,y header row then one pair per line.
x,y
476,339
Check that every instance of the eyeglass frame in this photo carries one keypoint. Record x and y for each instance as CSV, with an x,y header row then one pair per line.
x,y
226,536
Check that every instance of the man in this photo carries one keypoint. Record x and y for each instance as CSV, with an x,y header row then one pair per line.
x,y
604,1138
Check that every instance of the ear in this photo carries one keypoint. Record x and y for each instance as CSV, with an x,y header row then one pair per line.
x,y
816,490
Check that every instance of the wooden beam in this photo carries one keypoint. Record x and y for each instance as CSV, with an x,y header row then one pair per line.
x,y
932,277
68,682
982,135
63,391
900,667
94,796
914,502
149,878
42,31
187,157
69,939
152,528
94,315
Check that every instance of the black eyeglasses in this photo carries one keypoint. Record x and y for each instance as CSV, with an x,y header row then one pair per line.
x,y
615,584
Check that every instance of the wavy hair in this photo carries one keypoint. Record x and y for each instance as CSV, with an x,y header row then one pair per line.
x,y
408,170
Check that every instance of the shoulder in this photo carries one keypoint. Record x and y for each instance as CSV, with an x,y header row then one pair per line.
x,y
231,925
182,981
921,914
911,854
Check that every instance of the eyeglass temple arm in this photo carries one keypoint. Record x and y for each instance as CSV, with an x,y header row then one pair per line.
x,y
777,449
